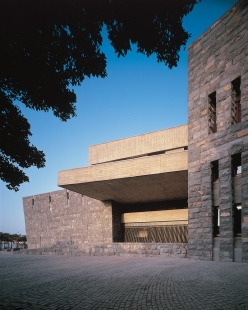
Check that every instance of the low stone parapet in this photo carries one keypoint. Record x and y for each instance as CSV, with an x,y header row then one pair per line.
x,y
141,249
118,249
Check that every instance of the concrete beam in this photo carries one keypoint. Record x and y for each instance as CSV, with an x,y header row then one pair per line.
x,y
150,178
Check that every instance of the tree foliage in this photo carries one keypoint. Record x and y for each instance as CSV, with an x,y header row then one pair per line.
x,y
46,46
11,238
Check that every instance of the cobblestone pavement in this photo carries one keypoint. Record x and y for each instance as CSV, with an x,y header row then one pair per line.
x,y
89,282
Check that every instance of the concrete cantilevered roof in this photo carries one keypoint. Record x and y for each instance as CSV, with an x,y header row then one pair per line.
x,y
158,172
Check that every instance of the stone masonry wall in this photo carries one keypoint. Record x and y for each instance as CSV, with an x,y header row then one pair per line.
x,y
64,222
216,58
68,218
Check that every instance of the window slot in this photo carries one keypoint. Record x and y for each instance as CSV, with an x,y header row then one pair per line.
x,y
215,197
216,221
50,201
68,198
212,113
237,208
215,170
236,106
236,164
237,220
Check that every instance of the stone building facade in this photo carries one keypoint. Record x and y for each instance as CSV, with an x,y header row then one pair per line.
x,y
218,139
176,192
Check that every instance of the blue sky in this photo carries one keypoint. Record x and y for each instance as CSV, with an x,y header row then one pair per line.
x,y
138,96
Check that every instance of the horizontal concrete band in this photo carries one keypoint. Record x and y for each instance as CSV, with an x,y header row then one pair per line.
x,y
154,216
126,168
162,140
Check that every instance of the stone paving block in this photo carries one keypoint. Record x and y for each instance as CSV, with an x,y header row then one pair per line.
x,y
73,282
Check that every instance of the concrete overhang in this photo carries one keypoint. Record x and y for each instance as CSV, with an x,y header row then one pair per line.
x,y
143,179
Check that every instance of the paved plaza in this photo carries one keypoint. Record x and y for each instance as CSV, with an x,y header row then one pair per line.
x,y
90,282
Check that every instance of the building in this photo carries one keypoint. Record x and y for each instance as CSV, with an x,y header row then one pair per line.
x,y
179,191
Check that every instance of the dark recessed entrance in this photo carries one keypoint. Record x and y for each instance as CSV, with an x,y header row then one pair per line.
x,y
154,222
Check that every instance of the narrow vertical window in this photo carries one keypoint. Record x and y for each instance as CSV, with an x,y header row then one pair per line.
x,y
215,190
237,208
32,202
236,106
67,197
237,220
216,221
50,200
215,170
212,113
236,164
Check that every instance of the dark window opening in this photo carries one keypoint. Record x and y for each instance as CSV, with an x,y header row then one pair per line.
x,y
67,195
236,164
50,201
212,113
185,148
237,220
236,106
215,170
216,221
32,202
